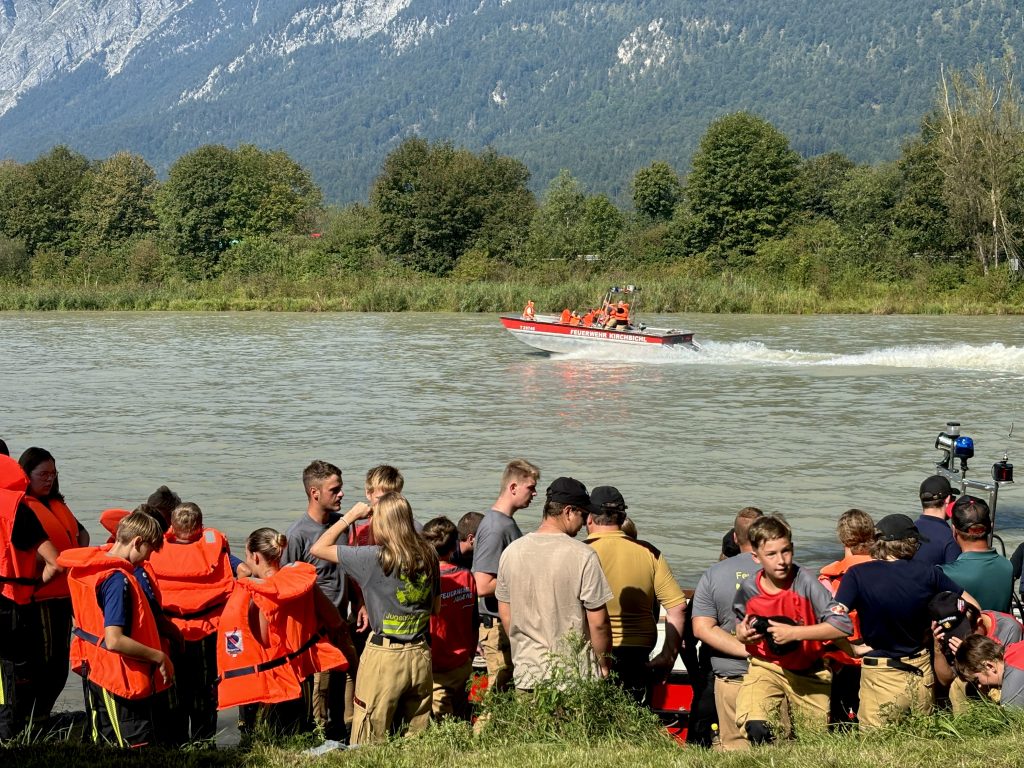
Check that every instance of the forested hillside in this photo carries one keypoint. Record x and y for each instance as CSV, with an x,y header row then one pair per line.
x,y
602,88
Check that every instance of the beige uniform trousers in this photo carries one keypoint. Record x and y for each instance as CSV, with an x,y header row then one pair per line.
x,y
451,697
768,689
393,689
887,692
729,736
497,655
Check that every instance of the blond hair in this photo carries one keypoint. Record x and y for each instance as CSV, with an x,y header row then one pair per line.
x,y
402,550
856,530
187,521
519,470
141,525
267,543
384,478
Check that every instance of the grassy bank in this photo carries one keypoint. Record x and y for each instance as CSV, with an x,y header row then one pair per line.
x,y
987,737
552,288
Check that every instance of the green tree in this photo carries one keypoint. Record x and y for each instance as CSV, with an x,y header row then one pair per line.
x,y
556,231
921,220
194,209
656,191
40,198
601,223
817,180
980,148
742,188
435,202
270,194
118,204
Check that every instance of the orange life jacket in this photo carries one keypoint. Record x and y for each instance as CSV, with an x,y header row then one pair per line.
x,y
252,673
564,318
19,574
111,518
195,582
831,576
528,311
621,313
588,319
62,530
88,568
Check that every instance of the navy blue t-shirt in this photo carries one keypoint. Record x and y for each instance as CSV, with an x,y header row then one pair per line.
x,y
940,547
114,599
891,599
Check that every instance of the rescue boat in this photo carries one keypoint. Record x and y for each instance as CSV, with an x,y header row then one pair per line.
x,y
550,333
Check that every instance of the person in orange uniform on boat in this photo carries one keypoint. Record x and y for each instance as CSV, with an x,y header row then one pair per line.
x,y
574,319
618,316
270,640
565,316
856,532
52,622
400,582
27,558
529,312
116,645
193,571
588,319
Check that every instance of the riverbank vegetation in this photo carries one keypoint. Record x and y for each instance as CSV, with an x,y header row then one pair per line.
x,y
571,732
752,227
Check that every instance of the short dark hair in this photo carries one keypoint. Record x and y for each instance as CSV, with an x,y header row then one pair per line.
x,y
741,525
317,473
4,449
164,500
468,524
442,535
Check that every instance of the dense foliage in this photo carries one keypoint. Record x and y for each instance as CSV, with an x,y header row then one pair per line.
x,y
947,213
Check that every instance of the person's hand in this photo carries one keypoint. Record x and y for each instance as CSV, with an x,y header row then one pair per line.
x,y
362,619
746,633
165,668
783,633
662,663
860,649
359,511
954,644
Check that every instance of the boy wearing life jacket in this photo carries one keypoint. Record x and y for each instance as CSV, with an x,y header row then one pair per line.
x,y
193,569
989,665
454,630
787,617
856,532
115,645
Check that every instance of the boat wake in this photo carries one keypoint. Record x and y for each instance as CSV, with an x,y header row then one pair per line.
x,y
988,357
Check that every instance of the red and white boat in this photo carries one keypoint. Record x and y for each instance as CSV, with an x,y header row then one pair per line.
x,y
550,334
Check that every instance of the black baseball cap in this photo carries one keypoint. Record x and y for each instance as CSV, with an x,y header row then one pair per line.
x,y
569,490
607,497
935,488
949,610
896,528
971,515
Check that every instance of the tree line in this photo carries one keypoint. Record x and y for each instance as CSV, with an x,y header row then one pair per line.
x,y
951,203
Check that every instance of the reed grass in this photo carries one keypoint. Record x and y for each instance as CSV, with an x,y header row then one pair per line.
x,y
673,289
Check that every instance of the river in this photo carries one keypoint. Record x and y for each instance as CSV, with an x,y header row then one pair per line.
x,y
805,415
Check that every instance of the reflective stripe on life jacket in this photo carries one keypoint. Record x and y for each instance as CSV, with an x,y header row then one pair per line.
x,y
252,673
62,530
88,568
195,582
19,574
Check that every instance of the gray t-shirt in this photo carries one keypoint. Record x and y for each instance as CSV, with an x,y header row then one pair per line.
x,y
1012,693
495,532
398,607
549,582
302,534
713,598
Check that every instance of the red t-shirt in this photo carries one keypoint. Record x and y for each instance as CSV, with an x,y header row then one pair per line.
x,y
453,632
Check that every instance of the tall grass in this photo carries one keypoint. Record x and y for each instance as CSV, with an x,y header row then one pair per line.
x,y
552,286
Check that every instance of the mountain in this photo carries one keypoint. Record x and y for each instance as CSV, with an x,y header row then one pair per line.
x,y
599,87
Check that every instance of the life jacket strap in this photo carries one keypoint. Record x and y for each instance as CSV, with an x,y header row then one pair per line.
x,y
273,663
202,612
88,637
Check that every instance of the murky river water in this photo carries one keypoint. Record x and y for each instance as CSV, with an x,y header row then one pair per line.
x,y
804,415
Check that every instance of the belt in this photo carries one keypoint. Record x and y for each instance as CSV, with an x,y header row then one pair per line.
x,y
380,640
274,663
900,663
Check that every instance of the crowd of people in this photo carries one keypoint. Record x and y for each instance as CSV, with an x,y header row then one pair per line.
x,y
365,623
